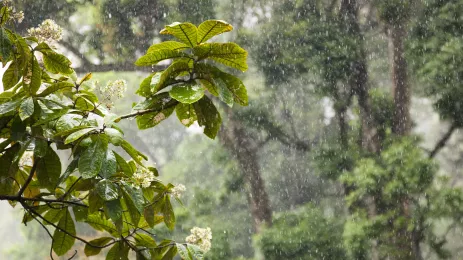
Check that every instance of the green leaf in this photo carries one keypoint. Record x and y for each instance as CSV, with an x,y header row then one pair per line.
x,y
134,153
54,215
99,242
57,63
119,251
170,74
49,169
55,87
107,190
115,136
136,196
36,78
8,107
98,222
188,93
133,210
40,147
123,165
8,169
92,158
152,58
195,251
186,114
78,134
152,119
168,213
51,117
26,109
230,54
109,167
185,32
145,86
211,28
208,116
11,76
113,210
144,240
62,242
170,45
5,44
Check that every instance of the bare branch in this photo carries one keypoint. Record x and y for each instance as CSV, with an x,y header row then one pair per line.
x,y
443,141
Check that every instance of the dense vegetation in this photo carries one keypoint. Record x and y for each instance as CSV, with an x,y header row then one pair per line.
x,y
337,155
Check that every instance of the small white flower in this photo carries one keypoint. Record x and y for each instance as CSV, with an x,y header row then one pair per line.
x,y
178,190
19,16
143,177
201,237
112,91
48,31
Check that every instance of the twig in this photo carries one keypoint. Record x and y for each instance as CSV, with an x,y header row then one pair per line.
x,y
443,140
29,178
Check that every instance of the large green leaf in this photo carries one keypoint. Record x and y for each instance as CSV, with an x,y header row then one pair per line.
x,y
208,116
107,190
54,215
11,76
119,251
183,252
5,46
186,114
230,54
152,58
145,89
78,134
62,242
9,107
185,32
36,78
49,169
169,74
114,210
168,213
98,222
123,165
57,63
132,209
92,158
98,243
152,119
109,167
26,109
55,87
144,240
170,45
188,93
115,136
134,153
8,169
211,28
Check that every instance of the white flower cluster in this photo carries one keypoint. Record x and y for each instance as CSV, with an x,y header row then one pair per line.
x,y
26,159
178,190
18,16
201,237
143,177
48,32
112,91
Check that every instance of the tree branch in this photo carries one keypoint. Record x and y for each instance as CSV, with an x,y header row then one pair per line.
x,y
443,140
146,111
29,179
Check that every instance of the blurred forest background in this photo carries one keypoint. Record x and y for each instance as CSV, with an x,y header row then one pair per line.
x,y
350,148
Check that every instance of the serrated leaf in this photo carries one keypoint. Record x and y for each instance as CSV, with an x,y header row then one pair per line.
x,y
230,54
99,242
107,190
91,159
152,58
208,116
78,134
62,242
109,167
26,109
211,28
185,32
170,45
49,169
186,114
57,63
188,93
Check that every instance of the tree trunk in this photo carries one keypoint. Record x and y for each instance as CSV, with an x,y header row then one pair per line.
x,y
401,124
241,145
